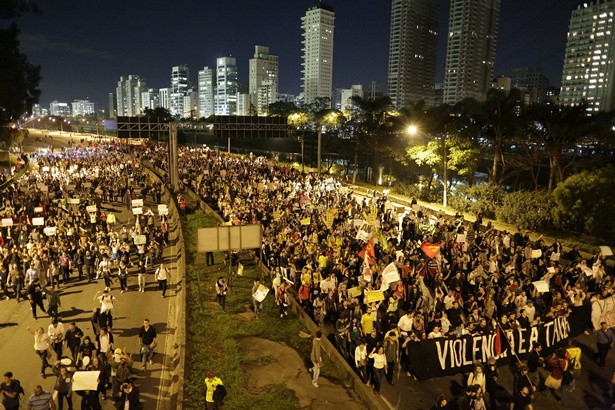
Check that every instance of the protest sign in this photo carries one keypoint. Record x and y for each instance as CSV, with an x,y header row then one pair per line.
x,y
536,253
73,201
306,221
38,221
365,232
45,169
163,209
85,380
390,274
374,296
137,211
461,238
355,292
587,270
7,221
38,209
140,239
606,251
261,293
87,185
91,208
137,203
555,257
50,230
400,209
541,286
451,356
603,310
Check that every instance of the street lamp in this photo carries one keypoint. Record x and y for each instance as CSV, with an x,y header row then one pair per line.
x,y
330,119
413,130
297,119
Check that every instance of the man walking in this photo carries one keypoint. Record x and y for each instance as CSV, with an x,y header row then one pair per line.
x,y
147,341
35,296
72,339
53,301
41,400
316,357
11,389
605,339
215,393
162,276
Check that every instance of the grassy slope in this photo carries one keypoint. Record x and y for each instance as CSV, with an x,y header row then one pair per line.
x,y
212,335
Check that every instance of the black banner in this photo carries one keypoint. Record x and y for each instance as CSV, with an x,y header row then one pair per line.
x,y
450,356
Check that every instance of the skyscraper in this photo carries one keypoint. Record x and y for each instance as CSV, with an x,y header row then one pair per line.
x,y
532,81
226,86
263,78
60,109
412,51
206,92
589,63
128,94
150,99
470,51
317,25
83,107
164,96
179,88
112,105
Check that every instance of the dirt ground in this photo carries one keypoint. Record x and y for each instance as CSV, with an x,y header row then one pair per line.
x,y
269,363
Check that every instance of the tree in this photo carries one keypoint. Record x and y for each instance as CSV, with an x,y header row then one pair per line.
x,y
162,114
281,109
19,80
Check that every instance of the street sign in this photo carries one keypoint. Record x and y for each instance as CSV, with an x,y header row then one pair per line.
x,y
228,238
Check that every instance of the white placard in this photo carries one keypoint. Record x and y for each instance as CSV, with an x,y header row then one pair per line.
x,y
137,203
386,191
555,257
73,201
163,209
7,221
461,238
38,221
541,286
87,185
536,253
42,187
91,208
45,169
85,380
137,211
357,223
606,251
50,230
551,270
38,209
140,239
260,293
365,232
587,270
390,274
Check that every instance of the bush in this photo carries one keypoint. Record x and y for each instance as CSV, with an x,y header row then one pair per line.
x,y
585,202
479,198
413,191
528,210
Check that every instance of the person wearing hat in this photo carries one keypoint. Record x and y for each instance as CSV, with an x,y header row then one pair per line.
x,y
121,370
214,384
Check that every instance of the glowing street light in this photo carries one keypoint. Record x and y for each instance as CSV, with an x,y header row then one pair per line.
x,y
412,130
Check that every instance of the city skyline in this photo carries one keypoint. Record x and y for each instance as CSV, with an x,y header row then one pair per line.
x,y
94,62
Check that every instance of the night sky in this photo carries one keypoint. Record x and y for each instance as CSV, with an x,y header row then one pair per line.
x,y
84,46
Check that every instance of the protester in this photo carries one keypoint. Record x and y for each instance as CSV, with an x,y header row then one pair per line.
x,y
129,397
147,341
380,367
42,345
221,291
41,400
316,357
605,339
11,389
559,365
162,274
63,385
215,391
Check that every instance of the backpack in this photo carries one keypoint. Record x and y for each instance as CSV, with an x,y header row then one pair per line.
x,y
220,392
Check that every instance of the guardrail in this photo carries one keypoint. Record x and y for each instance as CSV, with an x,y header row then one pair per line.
x,y
172,377
17,176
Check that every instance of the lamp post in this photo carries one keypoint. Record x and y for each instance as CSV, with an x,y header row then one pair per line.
x,y
329,118
413,130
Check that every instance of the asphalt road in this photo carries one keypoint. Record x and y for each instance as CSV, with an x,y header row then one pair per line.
x,y
16,344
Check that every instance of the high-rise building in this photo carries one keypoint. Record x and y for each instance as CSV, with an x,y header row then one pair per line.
x,y
164,96
531,81
226,86
83,107
191,104
112,105
128,94
60,109
150,99
246,104
180,83
412,51
207,87
470,51
589,63
36,110
263,78
317,25
347,105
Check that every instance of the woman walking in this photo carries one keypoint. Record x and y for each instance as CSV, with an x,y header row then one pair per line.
x,y
221,291
162,275
559,365
380,367
42,342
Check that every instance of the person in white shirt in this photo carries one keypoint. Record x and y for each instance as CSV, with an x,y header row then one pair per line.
x,y
530,310
380,367
435,333
360,359
405,324
106,301
42,342
162,275
55,331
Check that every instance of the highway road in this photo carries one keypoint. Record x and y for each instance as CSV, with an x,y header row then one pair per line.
x,y
16,344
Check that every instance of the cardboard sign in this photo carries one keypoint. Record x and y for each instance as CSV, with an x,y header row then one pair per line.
x,y
374,296
461,238
38,209
163,209
541,286
50,231
365,232
7,221
536,253
306,221
355,292
390,274
400,209
137,211
73,201
260,293
85,380
137,203
91,208
606,251
38,221
87,185
140,239
70,187
42,187
555,257
45,169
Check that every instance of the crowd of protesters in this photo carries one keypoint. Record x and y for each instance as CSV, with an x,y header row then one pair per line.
x,y
476,279
59,230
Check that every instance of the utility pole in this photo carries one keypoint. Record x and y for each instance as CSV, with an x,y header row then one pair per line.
x,y
319,144
173,163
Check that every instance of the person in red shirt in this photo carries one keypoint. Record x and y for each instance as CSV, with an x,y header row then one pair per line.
x,y
558,365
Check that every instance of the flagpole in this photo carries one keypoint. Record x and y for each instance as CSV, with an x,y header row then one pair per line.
x,y
512,351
